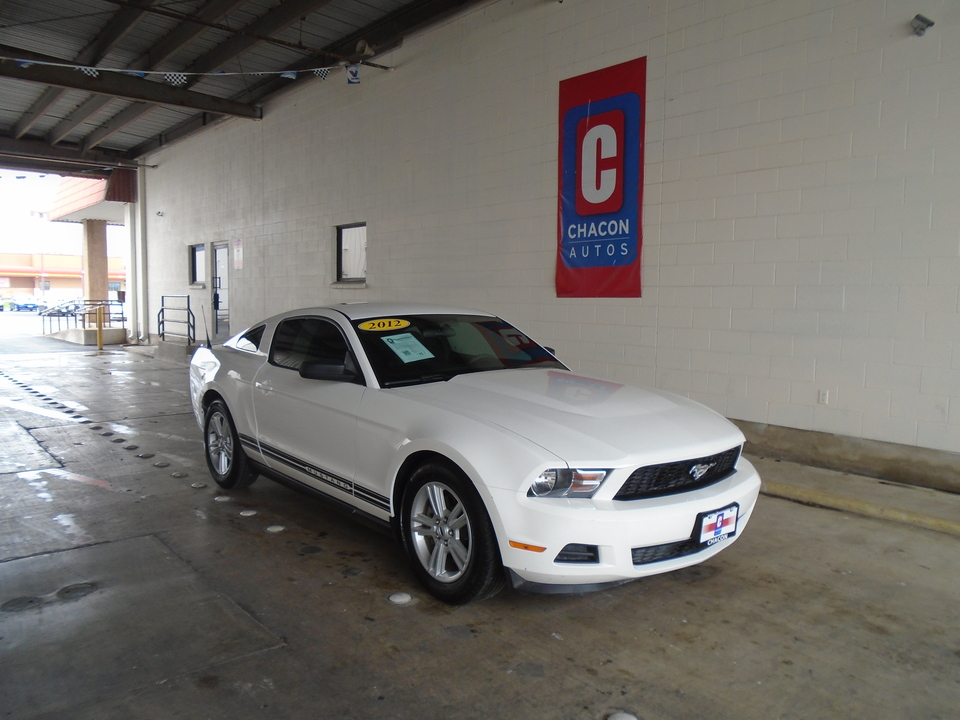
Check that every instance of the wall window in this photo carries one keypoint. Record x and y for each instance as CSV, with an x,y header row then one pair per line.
x,y
198,264
352,253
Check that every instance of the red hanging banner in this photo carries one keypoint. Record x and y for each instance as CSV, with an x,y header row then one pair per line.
x,y
600,194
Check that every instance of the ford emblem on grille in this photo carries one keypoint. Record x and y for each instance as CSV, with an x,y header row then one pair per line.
x,y
698,471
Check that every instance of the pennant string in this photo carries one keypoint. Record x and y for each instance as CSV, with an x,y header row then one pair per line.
x,y
176,78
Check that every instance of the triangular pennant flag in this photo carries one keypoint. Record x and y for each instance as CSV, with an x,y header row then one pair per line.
x,y
289,75
322,73
175,78
90,71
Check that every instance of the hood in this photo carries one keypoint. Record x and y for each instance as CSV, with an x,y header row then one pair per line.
x,y
582,419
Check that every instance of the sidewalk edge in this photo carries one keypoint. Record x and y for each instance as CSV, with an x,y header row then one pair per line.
x,y
859,507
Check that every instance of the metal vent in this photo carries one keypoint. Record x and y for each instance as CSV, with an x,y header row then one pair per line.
x,y
656,553
578,553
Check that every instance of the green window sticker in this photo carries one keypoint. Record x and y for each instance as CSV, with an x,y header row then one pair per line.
x,y
407,347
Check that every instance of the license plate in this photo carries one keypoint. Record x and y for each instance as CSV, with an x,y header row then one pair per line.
x,y
719,524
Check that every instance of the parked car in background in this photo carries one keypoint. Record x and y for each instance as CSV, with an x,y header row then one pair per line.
x,y
25,304
489,458
64,309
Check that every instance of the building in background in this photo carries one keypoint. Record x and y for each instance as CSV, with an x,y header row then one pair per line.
x,y
52,278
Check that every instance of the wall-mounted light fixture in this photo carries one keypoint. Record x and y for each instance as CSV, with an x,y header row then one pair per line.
x,y
920,24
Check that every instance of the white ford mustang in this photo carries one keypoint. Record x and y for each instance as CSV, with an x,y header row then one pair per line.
x,y
491,460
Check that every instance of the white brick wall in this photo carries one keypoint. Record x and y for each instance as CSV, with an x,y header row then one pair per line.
x,y
802,227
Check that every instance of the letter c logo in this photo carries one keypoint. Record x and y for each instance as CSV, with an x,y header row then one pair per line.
x,y
600,143
600,163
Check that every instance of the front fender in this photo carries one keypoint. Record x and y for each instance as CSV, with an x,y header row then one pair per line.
x,y
393,431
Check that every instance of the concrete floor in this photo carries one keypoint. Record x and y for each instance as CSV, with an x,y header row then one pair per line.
x,y
132,587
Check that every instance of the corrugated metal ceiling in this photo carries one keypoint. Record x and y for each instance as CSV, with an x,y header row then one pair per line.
x,y
57,117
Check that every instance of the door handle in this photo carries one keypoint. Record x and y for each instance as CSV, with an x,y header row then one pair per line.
x,y
265,386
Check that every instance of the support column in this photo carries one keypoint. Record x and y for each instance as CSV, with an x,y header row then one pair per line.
x,y
95,284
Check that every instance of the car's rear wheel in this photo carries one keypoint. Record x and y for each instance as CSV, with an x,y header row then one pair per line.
x,y
226,460
449,537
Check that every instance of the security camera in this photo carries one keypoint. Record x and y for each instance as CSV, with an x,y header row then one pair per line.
x,y
920,24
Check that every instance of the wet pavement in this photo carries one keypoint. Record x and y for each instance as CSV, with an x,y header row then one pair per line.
x,y
132,587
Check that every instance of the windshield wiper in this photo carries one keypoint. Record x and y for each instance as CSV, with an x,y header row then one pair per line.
x,y
422,380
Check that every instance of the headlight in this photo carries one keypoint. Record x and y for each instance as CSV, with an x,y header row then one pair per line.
x,y
566,482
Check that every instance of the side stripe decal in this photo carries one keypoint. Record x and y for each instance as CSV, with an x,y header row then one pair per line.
x,y
349,487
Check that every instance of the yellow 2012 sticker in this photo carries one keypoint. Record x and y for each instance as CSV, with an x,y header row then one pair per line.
x,y
384,324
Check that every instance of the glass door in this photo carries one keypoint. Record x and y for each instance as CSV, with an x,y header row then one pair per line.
x,y
221,292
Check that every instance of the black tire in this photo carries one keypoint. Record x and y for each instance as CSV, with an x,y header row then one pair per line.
x,y
227,462
448,536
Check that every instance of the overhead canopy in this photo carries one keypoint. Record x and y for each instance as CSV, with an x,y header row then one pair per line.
x,y
80,199
87,86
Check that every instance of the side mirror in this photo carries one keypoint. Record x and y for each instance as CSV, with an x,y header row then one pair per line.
x,y
332,372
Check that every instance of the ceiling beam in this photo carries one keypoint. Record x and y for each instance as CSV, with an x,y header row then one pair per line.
x,y
36,155
85,110
52,167
183,33
282,16
115,124
36,111
116,28
380,36
165,47
130,88
279,18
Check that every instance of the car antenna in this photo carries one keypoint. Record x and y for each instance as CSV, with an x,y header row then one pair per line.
x,y
203,314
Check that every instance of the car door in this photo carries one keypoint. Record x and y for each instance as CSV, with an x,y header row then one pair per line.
x,y
245,360
307,427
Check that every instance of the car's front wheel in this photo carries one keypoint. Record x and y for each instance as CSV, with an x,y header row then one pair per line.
x,y
226,460
449,537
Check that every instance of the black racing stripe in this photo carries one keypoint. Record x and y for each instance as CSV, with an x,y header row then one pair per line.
x,y
380,501
328,478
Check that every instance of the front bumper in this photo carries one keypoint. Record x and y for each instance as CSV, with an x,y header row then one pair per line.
x,y
616,529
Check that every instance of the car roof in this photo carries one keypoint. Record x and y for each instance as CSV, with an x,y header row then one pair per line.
x,y
365,310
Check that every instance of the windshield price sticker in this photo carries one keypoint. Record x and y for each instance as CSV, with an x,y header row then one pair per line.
x,y
384,324
407,347
719,525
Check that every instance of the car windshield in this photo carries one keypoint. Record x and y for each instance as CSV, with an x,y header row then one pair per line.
x,y
414,349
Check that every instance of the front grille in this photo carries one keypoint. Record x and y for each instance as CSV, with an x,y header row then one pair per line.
x,y
578,553
656,553
677,477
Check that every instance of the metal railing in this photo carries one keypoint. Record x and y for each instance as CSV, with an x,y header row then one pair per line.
x,y
83,314
175,312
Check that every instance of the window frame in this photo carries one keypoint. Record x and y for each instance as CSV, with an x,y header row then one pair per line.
x,y
197,270
340,249
294,357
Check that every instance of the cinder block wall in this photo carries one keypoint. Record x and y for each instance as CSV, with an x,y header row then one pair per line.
x,y
801,220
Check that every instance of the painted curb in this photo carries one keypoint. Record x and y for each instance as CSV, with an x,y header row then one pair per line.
x,y
859,507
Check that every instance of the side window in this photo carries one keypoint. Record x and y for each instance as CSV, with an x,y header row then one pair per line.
x,y
250,340
198,264
300,340
352,253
